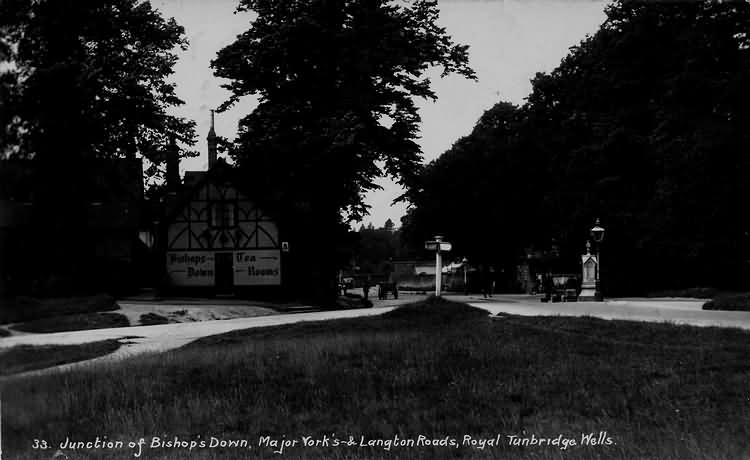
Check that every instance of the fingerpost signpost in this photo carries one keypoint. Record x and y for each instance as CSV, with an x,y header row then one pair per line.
x,y
438,245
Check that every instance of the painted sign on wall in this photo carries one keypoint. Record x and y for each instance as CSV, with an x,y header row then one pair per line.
x,y
255,267
191,268
258,267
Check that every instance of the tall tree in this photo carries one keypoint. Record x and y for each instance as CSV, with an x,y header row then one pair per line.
x,y
83,81
643,124
475,194
337,81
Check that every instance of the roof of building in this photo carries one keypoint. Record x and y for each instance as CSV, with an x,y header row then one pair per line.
x,y
193,180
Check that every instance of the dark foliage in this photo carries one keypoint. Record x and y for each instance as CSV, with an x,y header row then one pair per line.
x,y
644,124
374,249
82,83
732,302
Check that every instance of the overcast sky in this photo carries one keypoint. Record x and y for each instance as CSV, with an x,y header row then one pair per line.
x,y
510,40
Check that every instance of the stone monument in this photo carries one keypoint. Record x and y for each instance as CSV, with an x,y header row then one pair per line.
x,y
590,281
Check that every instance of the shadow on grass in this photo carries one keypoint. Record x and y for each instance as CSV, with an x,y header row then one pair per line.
x,y
436,369
23,358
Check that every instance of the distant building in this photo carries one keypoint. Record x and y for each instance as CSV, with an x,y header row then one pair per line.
x,y
214,237
416,275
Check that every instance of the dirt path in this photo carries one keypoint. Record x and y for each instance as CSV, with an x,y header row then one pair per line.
x,y
672,310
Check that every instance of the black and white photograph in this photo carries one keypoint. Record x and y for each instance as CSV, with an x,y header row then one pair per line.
x,y
373,229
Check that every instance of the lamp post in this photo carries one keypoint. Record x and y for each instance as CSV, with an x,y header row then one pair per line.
x,y
597,234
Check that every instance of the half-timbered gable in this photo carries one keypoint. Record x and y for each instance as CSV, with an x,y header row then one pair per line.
x,y
218,237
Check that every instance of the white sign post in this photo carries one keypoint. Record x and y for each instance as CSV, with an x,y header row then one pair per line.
x,y
438,245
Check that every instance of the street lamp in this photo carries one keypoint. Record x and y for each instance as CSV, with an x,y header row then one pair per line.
x,y
597,234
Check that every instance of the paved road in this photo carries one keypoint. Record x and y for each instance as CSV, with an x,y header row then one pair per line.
x,y
169,336
673,310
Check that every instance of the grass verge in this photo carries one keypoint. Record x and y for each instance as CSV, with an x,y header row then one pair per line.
x,y
436,369
28,309
75,322
695,293
23,358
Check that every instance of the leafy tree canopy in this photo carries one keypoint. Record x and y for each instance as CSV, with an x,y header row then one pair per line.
x,y
88,79
337,81
643,124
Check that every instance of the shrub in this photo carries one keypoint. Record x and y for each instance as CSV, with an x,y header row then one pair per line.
x,y
733,302
149,319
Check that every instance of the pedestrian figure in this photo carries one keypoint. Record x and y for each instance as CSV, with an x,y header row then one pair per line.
x,y
366,287
484,276
489,282
342,284
548,286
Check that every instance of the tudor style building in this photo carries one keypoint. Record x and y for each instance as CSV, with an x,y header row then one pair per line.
x,y
215,237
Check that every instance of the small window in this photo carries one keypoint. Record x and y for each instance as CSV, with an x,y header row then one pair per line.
x,y
223,214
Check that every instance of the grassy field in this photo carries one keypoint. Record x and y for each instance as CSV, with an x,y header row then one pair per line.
x,y
438,370
24,358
